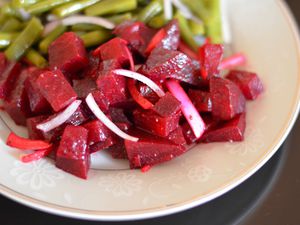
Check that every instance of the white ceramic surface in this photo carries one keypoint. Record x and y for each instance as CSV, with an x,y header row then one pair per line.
x,y
264,30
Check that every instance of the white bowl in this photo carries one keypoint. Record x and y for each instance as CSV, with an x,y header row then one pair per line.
x,y
265,31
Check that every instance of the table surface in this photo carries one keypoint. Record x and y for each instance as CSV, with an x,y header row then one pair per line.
x,y
271,196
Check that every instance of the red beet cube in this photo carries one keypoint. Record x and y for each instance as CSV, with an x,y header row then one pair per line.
x,y
167,106
101,145
232,130
188,134
137,34
16,103
164,63
151,150
37,102
116,49
67,53
73,154
118,116
84,86
227,99
3,62
147,92
154,123
98,132
177,136
31,124
249,83
8,78
56,89
93,67
117,150
210,56
201,100
79,117
172,38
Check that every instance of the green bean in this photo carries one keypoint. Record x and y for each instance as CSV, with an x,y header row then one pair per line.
x,y
151,10
196,28
6,39
157,21
35,58
3,19
9,10
185,31
44,6
117,19
25,39
111,7
198,7
85,27
73,7
45,43
23,3
214,26
95,38
11,25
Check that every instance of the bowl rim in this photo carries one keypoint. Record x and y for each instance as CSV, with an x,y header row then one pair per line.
x,y
187,204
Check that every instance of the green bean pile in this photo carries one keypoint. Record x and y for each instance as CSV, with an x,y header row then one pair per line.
x,y
22,23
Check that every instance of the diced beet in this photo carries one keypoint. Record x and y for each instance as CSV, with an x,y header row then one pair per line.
x,y
111,86
155,124
248,82
98,132
210,56
73,154
188,134
101,145
118,115
38,104
172,38
101,100
147,93
118,150
137,34
16,103
124,126
151,150
116,49
55,88
3,62
31,124
8,78
232,130
177,136
167,105
201,100
164,63
93,67
67,53
84,86
78,117
227,99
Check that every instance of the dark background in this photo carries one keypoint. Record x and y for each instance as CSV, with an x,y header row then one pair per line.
x,y
271,196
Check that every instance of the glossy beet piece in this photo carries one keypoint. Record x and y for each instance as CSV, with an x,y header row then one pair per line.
x,y
167,106
115,49
154,123
56,89
210,56
3,62
164,63
118,116
101,145
177,136
118,150
98,132
67,53
249,83
201,100
38,104
188,134
73,154
147,92
92,68
172,36
31,124
151,150
16,104
8,78
137,34
232,130
112,87
227,99
84,86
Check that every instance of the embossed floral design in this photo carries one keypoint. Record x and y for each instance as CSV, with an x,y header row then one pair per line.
x,y
120,184
253,142
37,175
199,173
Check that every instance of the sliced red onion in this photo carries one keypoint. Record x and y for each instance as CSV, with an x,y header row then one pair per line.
x,y
168,10
185,11
60,118
105,120
188,109
141,78
71,20
233,61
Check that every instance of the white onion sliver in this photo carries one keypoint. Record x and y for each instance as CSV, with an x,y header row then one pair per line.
x,y
60,118
105,120
141,78
168,10
71,20
188,109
